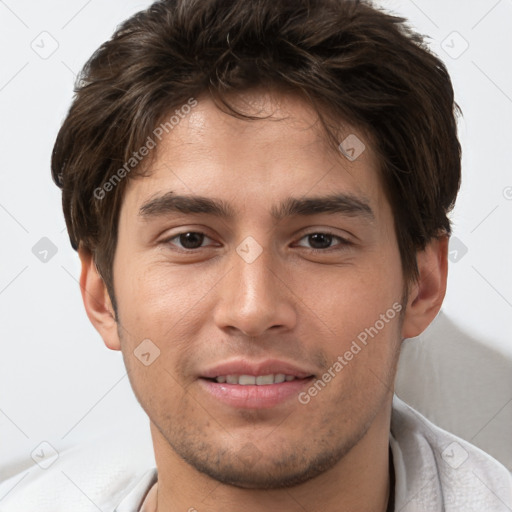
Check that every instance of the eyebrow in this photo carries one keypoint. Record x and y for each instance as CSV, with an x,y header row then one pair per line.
x,y
346,204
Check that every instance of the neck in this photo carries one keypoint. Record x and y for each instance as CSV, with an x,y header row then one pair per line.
x,y
359,482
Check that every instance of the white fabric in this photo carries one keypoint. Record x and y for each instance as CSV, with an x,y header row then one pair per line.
x,y
134,501
89,477
435,471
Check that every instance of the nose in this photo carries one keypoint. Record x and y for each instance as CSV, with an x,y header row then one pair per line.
x,y
255,297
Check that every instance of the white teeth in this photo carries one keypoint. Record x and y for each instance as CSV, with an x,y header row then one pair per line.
x,y
264,380
251,380
247,380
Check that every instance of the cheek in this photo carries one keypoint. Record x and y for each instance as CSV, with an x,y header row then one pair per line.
x,y
157,295
159,305
347,301
359,329
166,305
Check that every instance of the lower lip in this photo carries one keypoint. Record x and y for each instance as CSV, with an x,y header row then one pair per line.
x,y
255,397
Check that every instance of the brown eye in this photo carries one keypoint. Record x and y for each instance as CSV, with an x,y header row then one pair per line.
x,y
321,241
188,240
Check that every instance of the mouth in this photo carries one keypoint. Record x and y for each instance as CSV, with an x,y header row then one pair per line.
x,y
241,384
252,380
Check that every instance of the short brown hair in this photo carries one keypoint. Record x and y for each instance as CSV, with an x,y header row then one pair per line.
x,y
350,60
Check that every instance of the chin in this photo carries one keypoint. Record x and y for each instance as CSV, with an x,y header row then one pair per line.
x,y
247,469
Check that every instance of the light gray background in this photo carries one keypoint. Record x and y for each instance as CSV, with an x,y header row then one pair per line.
x,y
58,382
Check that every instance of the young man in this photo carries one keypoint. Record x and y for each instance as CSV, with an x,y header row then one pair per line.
x,y
258,193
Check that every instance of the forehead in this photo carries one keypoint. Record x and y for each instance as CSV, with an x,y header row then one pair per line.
x,y
283,153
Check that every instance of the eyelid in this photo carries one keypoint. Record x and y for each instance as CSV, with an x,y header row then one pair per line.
x,y
325,231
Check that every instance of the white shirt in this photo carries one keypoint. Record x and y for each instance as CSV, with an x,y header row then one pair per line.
x,y
435,471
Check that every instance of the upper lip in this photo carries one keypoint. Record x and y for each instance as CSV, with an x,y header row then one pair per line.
x,y
256,368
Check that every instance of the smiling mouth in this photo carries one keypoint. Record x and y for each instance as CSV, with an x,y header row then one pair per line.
x,y
264,391
252,380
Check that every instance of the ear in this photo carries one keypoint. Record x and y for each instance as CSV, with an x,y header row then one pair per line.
x,y
426,295
97,301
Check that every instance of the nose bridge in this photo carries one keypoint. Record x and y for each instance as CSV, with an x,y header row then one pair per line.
x,y
253,297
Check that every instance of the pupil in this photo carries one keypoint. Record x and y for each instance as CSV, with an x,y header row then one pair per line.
x,y
188,240
314,239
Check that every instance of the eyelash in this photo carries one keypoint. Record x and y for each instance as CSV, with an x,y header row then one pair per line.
x,y
343,241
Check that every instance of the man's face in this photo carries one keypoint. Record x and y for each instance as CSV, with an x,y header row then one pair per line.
x,y
252,297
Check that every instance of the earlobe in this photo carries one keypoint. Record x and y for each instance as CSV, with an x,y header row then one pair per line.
x,y
97,301
427,294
